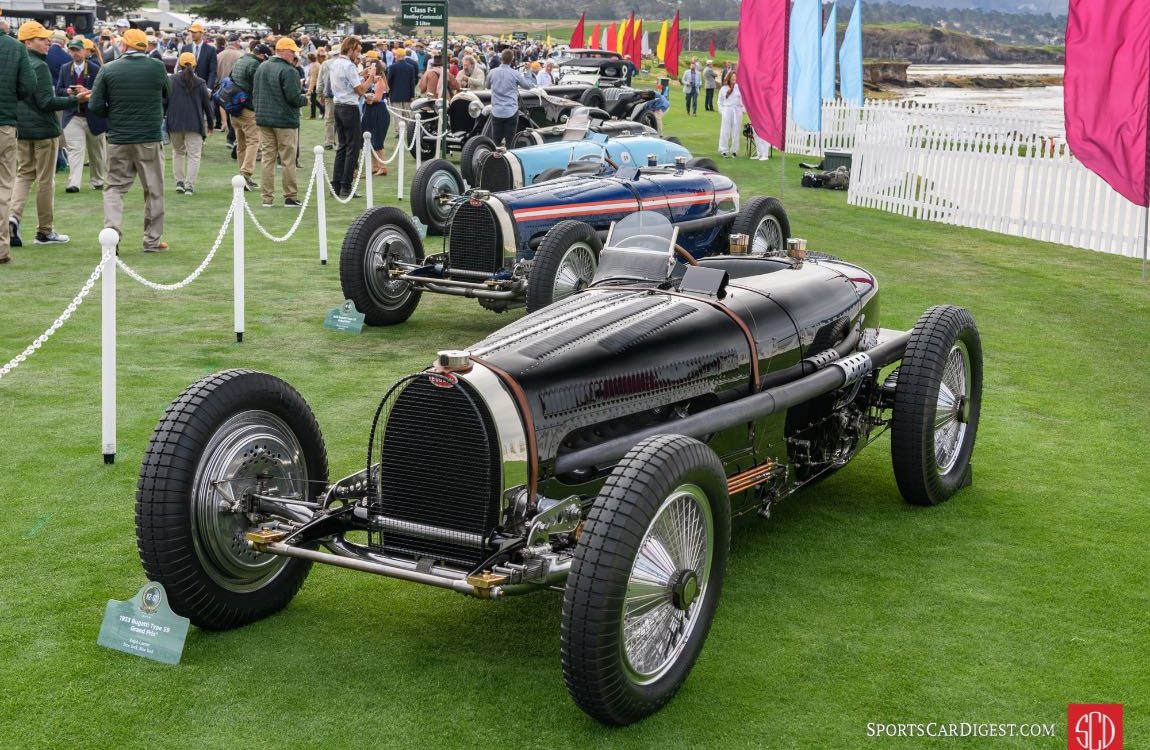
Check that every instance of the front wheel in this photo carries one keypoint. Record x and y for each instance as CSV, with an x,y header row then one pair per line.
x,y
474,151
937,401
224,437
646,579
374,242
434,182
565,263
703,162
765,221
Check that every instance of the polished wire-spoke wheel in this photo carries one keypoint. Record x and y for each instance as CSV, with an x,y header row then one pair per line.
x,y
768,236
564,264
765,222
646,579
938,398
226,438
576,269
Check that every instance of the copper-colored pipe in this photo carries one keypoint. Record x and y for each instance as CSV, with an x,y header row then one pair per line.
x,y
752,477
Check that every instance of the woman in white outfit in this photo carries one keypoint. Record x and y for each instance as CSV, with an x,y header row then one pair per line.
x,y
731,112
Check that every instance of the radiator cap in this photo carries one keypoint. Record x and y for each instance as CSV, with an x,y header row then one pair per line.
x,y
453,360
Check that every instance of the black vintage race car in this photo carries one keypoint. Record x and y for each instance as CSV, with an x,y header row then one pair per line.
x,y
534,245
601,446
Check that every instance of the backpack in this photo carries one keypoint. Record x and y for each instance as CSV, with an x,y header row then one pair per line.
x,y
231,97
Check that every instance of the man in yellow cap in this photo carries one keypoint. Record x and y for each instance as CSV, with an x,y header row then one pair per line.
x,y
38,136
132,94
278,96
17,81
207,65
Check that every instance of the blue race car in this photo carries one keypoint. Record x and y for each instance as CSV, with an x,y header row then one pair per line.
x,y
540,243
581,149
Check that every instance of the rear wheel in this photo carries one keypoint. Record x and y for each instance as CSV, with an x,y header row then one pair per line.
x,y
593,97
938,397
765,221
549,174
646,579
703,162
526,137
227,435
676,141
565,263
435,180
476,148
379,237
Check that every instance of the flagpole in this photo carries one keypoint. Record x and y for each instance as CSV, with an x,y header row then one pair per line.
x,y
1145,230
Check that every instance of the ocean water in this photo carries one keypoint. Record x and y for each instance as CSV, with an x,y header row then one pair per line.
x,y
1043,103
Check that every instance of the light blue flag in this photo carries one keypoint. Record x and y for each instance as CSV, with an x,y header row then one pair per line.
x,y
851,59
806,44
829,44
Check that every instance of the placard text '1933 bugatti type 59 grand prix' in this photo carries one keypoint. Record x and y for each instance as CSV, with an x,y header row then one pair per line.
x,y
599,446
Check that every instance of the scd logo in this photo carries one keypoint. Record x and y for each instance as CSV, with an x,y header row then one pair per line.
x,y
1094,726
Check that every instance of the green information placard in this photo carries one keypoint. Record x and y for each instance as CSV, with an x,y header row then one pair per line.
x,y
145,626
344,318
423,14
519,36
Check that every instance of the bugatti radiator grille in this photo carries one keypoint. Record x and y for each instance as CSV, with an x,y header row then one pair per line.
x,y
440,472
495,174
476,243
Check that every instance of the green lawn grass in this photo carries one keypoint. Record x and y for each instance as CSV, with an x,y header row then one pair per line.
x,y
1027,591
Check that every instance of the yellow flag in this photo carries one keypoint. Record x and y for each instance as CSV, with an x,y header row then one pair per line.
x,y
624,30
661,49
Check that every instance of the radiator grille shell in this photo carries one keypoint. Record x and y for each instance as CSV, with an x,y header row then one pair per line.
x,y
476,242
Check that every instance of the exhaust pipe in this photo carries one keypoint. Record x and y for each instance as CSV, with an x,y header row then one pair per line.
x,y
771,401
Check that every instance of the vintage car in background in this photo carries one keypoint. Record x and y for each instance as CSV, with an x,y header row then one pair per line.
x,y
469,113
581,150
600,446
593,67
537,244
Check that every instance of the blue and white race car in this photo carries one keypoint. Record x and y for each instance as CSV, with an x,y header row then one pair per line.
x,y
537,244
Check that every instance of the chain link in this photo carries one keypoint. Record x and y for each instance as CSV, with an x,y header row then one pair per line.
x,y
194,274
359,174
71,308
299,217
390,159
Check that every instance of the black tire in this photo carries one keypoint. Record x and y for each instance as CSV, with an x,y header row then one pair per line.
x,y
549,174
676,141
433,179
379,235
473,150
765,221
593,97
228,426
703,162
648,119
600,669
944,355
526,137
571,247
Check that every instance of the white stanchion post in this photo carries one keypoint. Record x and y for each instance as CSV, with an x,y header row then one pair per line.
x,y
238,201
109,238
368,167
321,203
401,157
417,140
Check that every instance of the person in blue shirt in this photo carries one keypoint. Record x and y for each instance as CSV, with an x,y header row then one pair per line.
x,y
505,82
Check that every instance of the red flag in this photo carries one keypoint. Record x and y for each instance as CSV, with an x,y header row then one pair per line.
x,y
612,37
579,36
674,48
1107,91
762,46
712,49
637,44
596,42
629,28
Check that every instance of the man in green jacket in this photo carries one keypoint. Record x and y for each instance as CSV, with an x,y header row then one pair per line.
x,y
17,81
38,137
247,132
278,97
131,91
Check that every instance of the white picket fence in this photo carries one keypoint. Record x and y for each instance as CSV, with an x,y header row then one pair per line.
x,y
974,166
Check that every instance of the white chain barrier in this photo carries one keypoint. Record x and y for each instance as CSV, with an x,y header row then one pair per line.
x,y
60,321
299,217
194,274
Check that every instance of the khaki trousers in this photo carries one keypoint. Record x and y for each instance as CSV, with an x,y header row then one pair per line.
x,y
125,162
36,162
7,181
281,142
82,145
187,149
247,141
329,138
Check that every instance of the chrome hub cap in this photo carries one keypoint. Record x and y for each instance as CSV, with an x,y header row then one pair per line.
x,y
768,236
952,412
668,584
254,450
441,185
388,244
576,269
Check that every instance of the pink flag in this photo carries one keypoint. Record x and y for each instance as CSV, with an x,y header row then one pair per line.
x,y
762,44
1107,91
